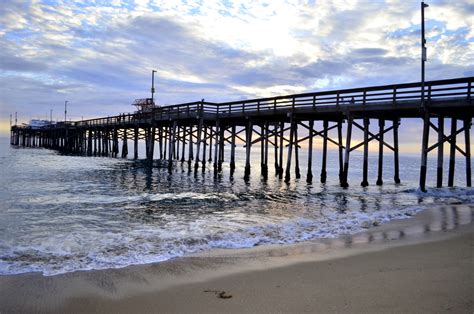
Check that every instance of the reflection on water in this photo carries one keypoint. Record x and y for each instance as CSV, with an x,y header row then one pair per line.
x,y
441,218
65,213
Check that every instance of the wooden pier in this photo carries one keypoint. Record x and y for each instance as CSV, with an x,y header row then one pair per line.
x,y
197,133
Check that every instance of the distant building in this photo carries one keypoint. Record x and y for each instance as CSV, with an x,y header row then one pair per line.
x,y
38,124
145,105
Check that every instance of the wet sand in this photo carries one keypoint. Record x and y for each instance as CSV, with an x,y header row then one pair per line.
x,y
420,265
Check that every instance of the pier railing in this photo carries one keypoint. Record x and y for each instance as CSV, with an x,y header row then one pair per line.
x,y
389,94
365,96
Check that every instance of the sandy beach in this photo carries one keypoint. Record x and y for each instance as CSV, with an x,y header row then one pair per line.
x,y
419,265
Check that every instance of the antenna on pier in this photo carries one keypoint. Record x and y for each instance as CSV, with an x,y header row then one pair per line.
x,y
152,85
423,53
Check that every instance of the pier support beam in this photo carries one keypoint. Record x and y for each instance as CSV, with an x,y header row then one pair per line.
x,y
147,142
135,143
309,174
204,148
265,158
439,170
216,148
105,142
99,142
160,142
190,149
452,152
381,139
221,148
275,148
264,150
125,144
325,152
115,144
198,145
183,144
282,131
365,165
297,161
345,172
290,151
232,152
341,167
172,142
424,151
211,135
467,136
89,143
248,145
396,168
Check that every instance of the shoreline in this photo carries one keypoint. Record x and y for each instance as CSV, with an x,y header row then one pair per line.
x,y
162,285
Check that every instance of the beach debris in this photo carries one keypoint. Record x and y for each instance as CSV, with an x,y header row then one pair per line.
x,y
221,294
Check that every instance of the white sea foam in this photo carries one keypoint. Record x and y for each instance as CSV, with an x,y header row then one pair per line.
x,y
97,250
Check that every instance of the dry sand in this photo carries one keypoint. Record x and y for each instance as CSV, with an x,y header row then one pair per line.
x,y
420,265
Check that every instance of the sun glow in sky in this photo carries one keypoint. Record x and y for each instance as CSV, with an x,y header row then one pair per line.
x,y
98,55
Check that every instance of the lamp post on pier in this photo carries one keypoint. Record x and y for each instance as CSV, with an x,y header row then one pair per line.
x,y
425,113
423,53
65,111
152,86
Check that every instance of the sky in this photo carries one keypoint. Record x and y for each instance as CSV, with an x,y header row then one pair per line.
x,y
98,55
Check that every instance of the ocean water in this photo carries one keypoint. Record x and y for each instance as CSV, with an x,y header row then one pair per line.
x,y
67,213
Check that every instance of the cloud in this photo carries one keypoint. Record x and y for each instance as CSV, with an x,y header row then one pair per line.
x,y
18,64
100,55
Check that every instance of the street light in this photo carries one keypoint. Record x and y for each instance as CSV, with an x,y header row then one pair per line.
x,y
50,116
16,117
423,53
152,85
65,111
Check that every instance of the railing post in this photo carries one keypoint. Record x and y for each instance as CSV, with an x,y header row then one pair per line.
x,y
429,94
394,99
364,97
469,90
314,101
337,99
